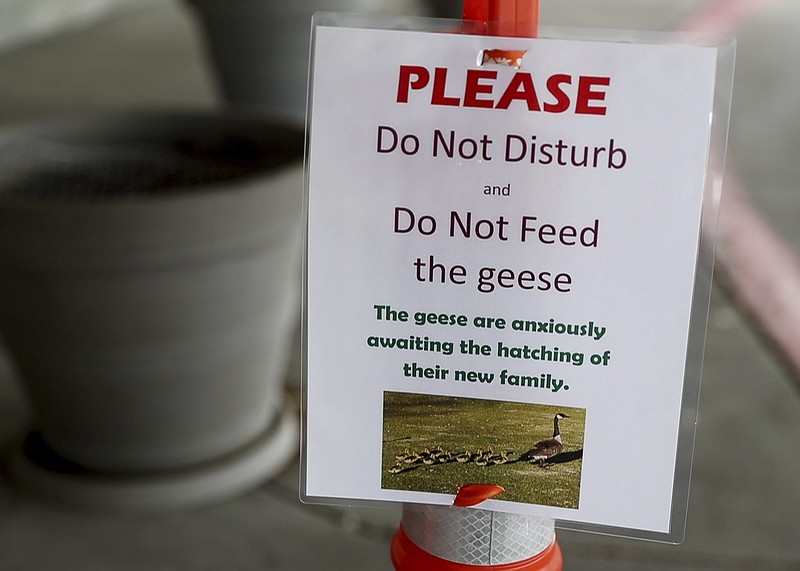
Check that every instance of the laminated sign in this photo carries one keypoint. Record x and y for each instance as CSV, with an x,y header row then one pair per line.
x,y
509,250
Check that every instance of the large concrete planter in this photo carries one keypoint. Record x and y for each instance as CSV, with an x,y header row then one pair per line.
x,y
148,296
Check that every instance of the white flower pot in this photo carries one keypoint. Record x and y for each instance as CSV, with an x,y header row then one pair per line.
x,y
148,295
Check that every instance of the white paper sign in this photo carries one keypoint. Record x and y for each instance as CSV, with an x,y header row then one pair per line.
x,y
490,246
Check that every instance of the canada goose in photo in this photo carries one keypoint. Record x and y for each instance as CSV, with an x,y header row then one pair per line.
x,y
546,449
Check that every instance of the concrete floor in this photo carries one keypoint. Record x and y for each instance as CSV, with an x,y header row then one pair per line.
x,y
745,499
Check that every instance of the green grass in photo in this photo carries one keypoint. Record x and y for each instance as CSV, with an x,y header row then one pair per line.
x,y
439,443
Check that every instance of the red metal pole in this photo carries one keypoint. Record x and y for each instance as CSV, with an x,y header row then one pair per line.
x,y
442,538
516,18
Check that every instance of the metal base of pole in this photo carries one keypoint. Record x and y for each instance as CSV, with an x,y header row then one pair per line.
x,y
443,538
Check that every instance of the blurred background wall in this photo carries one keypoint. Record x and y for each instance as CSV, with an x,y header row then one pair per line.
x,y
26,20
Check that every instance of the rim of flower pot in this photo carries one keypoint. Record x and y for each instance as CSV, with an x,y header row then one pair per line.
x,y
36,469
57,176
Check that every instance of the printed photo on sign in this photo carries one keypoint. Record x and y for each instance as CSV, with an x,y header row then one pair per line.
x,y
439,443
